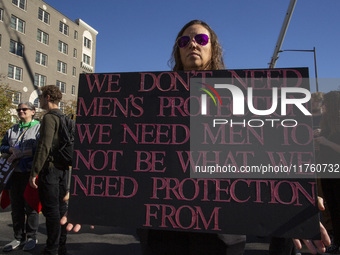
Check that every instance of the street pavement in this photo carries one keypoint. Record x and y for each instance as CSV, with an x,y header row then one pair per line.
x,y
101,240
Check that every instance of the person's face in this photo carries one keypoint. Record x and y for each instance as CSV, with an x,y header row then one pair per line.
x,y
195,56
24,113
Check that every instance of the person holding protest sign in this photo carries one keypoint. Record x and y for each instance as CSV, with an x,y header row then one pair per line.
x,y
20,142
196,48
328,139
317,102
52,181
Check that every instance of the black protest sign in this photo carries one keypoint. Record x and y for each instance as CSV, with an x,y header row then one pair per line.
x,y
134,158
6,170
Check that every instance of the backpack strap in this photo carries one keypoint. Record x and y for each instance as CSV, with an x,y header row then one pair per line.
x,y
56,113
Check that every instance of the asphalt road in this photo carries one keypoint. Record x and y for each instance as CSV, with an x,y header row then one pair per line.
x,y
101,240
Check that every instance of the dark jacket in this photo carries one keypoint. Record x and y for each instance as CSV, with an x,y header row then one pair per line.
x,y
48,139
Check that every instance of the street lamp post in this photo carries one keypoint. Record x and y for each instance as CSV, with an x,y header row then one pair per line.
x,y
316,72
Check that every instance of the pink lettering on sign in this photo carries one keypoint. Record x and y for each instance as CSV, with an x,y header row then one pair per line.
x,y
105,186
169,216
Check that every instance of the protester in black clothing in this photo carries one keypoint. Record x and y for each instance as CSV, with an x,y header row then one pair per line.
x,y
316,102
196,48
328,139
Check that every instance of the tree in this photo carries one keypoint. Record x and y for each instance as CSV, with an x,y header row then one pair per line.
x,y
6,105
70,107
67,107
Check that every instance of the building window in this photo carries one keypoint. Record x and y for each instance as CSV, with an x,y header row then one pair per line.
x,y
20,3
14,72
0,40
62,86
73,90
14,96
62,47
16,48
63,28
1,14
74,72
17,24
75,34
42,37
44,16
61,67
39,80
87,43
74,52
36,103
41,58
86,59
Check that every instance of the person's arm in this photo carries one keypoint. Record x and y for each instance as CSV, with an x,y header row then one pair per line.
x,y
37,136
18,154
70,226
5,147
324,141
47,132
315,246
27,153
15,154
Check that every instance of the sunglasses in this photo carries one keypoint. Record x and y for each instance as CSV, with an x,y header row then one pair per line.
x,y
201,39
22,109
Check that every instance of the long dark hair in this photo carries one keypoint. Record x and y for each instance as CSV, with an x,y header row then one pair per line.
x,y
330,121
216,61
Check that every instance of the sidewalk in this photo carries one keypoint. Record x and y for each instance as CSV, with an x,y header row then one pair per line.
x,y
101,240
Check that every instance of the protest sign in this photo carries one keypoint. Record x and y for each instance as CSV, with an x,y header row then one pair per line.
x,y
6,170
136,154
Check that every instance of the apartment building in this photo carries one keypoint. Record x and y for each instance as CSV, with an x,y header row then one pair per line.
x,y
40,46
